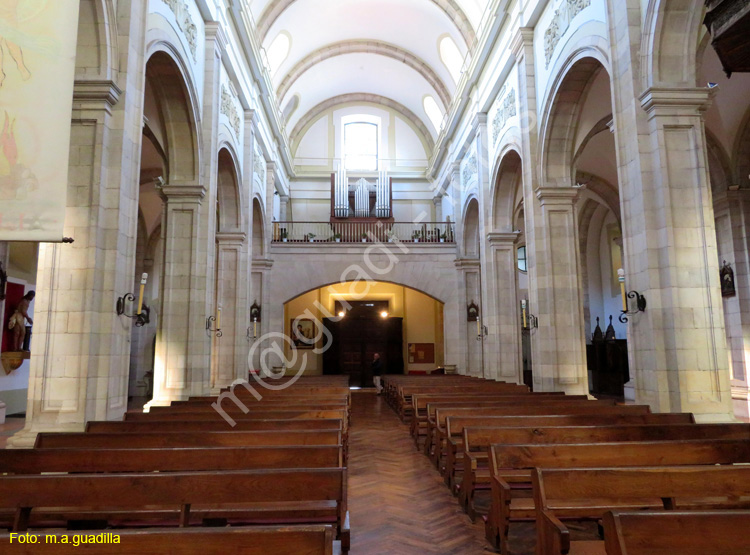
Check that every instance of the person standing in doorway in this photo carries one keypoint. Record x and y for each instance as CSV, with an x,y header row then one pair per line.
x,y
377,370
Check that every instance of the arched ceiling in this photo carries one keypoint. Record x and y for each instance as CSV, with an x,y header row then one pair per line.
x,y
388,48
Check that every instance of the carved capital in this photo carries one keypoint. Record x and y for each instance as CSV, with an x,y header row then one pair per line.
x,y
500,239
560,196
676,102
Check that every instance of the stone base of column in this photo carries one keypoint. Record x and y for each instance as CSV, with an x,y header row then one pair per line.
x,y
741,402
26,438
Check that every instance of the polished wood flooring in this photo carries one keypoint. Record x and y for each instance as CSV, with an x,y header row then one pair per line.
x,y
397,501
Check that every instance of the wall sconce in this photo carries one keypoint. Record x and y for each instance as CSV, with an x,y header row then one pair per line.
x,y
528,320
216,319
255,313
640,300
143,313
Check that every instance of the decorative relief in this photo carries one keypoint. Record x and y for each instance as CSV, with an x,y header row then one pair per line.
x,y
560,24
259,165
470,169
229,109
185,23
506,111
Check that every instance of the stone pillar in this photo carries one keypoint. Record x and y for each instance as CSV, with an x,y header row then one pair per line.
x,y
284,208
501,299
732,217
469,287
679,345
437,201
562,364
230,349
4,255
247,192
79,365
182,361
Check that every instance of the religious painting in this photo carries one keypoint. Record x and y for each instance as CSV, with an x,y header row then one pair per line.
x,y
303,333
37,55
727,281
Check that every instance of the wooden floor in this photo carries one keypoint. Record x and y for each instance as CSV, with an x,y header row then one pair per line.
x,y
397,501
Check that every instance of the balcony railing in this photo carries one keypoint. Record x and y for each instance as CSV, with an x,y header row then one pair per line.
x,y
367,232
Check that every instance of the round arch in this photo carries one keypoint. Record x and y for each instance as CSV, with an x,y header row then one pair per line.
x,y
508,178
229,197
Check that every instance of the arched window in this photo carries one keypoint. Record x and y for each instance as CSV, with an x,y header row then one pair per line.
x,y
278,51
433,111
451,56
361,145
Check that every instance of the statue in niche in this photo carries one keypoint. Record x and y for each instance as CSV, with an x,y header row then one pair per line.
x,y
727,281
17,322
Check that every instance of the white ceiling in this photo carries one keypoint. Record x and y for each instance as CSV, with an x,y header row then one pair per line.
x,y
412,26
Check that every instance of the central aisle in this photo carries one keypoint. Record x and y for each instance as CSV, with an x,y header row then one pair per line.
x,y
398,503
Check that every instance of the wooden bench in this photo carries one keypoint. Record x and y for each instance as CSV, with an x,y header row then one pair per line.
x,y
260,540
586,494
441,414
547,401
174,459
511,467
310,496
404,393
451,431
238,416
679,532
476,471
212,425
56,440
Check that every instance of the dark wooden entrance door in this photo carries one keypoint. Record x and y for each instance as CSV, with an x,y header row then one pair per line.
x,y
354,342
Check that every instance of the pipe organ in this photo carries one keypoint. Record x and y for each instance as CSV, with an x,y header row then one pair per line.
x,y
365,198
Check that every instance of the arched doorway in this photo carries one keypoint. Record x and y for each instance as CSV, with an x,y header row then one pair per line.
x,y
339,327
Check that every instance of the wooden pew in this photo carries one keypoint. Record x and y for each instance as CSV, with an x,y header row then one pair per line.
x,y
421,402
56,440
528,400
251,408
511,466
586,494
405,392
679,532
239,416
311,496
451,431
441,414
212,425
173,459
477,441
260,540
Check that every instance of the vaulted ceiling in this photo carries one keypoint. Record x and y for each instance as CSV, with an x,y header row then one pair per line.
x,y
381,51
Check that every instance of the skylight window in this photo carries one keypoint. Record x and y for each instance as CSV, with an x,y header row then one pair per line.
x,y
451,57
278,51
433,112
361,146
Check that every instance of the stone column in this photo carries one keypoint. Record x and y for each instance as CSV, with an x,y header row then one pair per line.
x,y
562,364
679,345
230,349
79,365
470,349
732,217
437,201
284,208
182,362
502,301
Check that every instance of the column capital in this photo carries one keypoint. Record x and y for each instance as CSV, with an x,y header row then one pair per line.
x,y
677,101
216,33
183,191
231,237
500,239
97,91
557,195
262,264
524,37
467,263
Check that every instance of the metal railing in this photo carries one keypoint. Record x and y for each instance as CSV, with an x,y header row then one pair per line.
x,y
363,232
